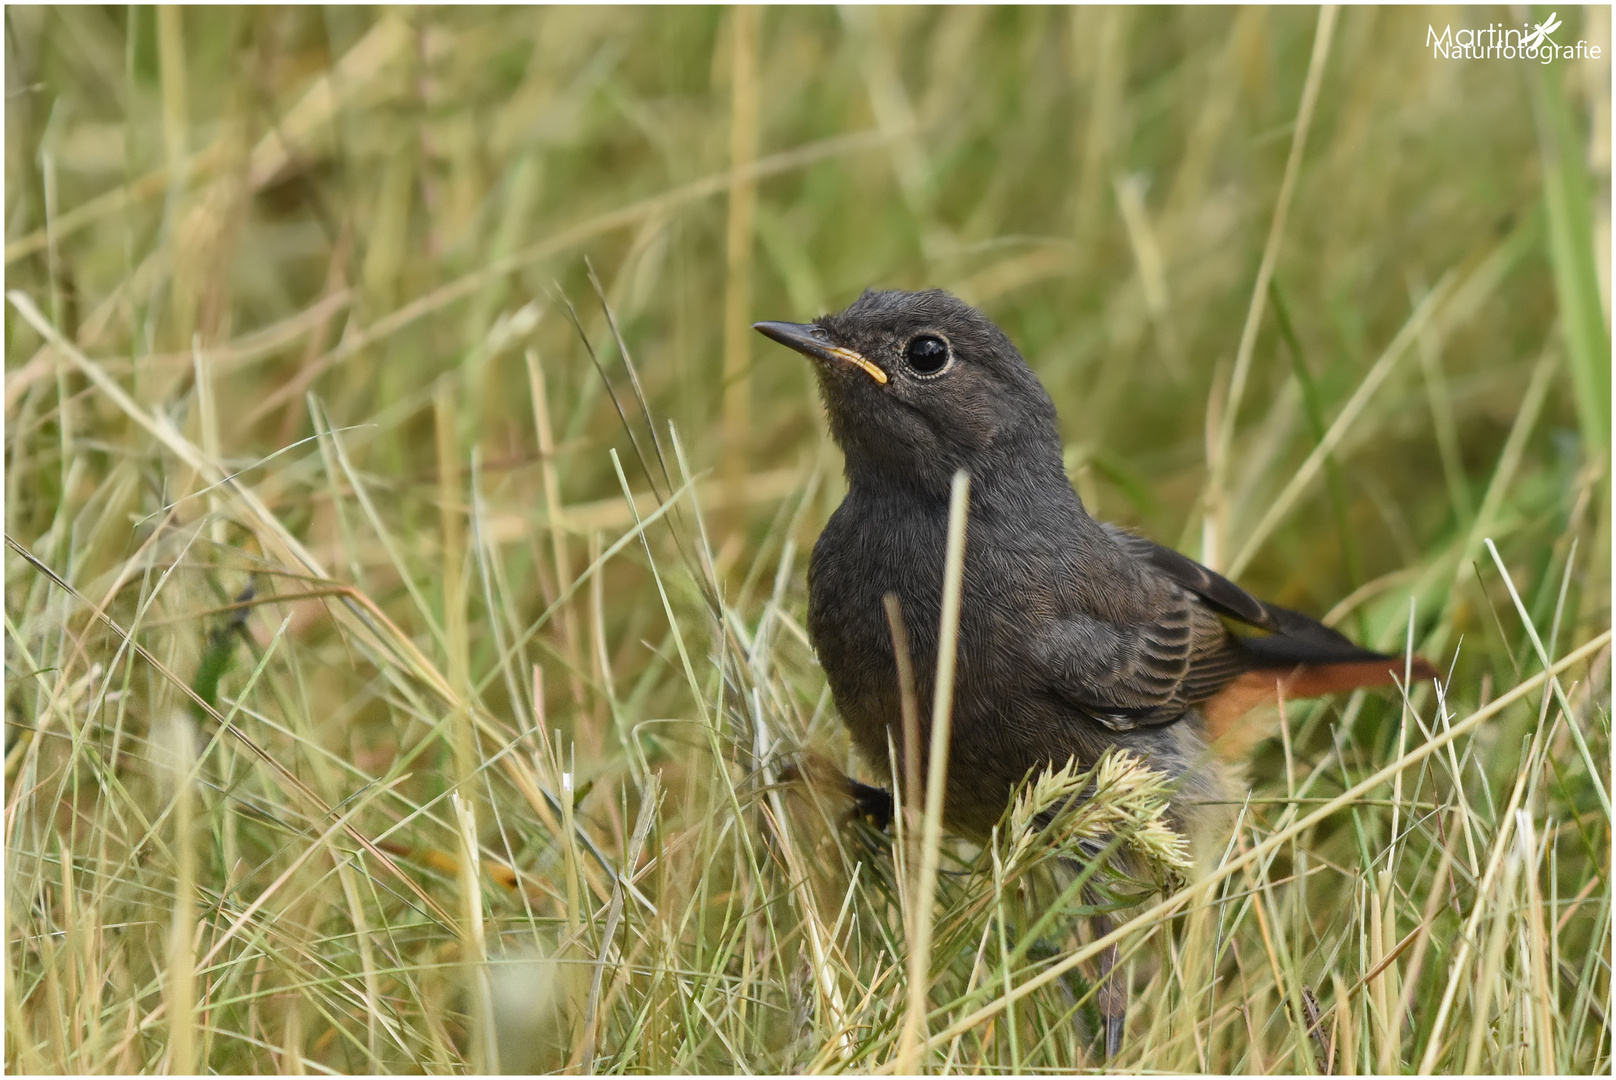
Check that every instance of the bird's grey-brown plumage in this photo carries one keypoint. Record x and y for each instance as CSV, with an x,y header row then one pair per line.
x,y
1074,635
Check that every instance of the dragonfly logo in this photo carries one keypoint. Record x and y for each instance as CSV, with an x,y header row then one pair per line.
x,y
1543,30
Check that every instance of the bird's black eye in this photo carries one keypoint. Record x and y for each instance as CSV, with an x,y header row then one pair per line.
x,y
926,354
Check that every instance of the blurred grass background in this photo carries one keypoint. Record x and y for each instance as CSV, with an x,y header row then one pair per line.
x,y
300,408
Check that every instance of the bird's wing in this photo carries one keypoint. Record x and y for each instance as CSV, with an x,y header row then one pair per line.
x,y
1149,674
1143,674
1291,637
1187,656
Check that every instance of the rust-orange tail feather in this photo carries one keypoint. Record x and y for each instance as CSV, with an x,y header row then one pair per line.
x,y
1266,686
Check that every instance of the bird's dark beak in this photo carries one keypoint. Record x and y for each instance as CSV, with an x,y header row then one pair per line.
x,y
812,341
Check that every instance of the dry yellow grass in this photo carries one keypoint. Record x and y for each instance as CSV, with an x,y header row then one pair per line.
x,y
388,691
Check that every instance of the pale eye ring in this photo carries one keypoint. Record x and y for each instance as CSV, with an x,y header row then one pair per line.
x,y
927,355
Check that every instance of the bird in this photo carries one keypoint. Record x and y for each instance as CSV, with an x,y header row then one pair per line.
x,y
1075,636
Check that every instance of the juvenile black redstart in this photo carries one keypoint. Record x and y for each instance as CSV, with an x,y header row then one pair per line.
x,y
1074,636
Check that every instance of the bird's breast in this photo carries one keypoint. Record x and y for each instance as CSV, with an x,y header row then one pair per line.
x,y
1014,580
1018,577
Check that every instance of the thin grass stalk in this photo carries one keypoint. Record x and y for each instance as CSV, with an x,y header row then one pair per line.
x,y
1288,984
1540,991
745,90
1485,902
1387,993
566,768
1285,501
1215,525
239,922
1552,932
473,941
180,989
207,410
1422,933
1105,90
638,389
709,721
909,707
822,944
1005,979
463,736
1344,1041
566,616
1554,684
1567,202
1492,957
920,931
1444,426
1486,519
74,959
667,607
650,802
175,109
367,963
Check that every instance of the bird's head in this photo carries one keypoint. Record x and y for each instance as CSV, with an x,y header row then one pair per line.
x,y
919,385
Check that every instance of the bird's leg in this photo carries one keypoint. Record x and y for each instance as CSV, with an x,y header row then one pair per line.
x,y
872,803
1111,988
1112,996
